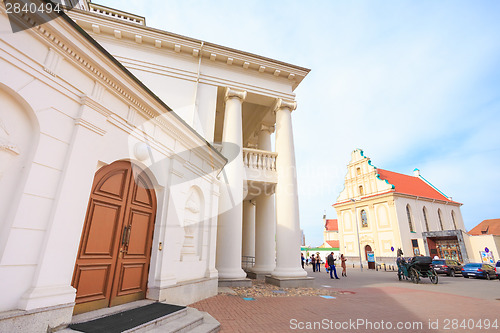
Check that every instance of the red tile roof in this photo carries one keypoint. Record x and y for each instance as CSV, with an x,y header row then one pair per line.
x,y
332,225
411,185
487,227
334,243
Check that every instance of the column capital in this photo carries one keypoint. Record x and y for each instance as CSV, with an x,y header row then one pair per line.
x,y
234,93
266,127
281,104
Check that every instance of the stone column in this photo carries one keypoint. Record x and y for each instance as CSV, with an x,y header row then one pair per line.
x,y
265,218
287,205
229,229
248,247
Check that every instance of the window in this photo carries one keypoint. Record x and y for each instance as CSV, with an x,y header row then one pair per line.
x,y
361,192
425,218
440,219
410,222
358,171
453,219
364,220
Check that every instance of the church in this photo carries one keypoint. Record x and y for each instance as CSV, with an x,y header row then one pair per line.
x,y
381,211
138,164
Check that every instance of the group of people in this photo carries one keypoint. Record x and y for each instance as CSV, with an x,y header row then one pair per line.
x,y
330,264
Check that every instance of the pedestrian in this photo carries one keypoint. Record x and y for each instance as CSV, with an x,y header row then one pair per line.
x,y
342,263
318,263
331,262
302,259
313,263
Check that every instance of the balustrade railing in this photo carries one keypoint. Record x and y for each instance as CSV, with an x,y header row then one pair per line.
x,y
259,159
117,14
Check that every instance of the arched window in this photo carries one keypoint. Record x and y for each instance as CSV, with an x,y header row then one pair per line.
x,y
453,219
364,219
358,171
440,219
361,192
425,219
410,222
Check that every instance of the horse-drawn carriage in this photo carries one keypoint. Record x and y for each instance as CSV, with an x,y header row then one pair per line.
x,y
416,268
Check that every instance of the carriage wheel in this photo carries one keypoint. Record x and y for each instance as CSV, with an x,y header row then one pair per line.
x,y
433,276
414,275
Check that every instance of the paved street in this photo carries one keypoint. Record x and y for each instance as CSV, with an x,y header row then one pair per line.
x,y
367,301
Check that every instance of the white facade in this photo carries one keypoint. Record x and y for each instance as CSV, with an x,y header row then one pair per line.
x,y
68,110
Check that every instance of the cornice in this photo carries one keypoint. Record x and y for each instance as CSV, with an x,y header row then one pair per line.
x,y
167,41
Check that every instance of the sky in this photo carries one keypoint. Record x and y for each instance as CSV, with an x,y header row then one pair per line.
x,y
415,84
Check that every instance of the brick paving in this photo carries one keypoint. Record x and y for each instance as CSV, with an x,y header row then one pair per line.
x,y
372,304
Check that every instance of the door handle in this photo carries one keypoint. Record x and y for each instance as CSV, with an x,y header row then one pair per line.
x,y
124,235
129,231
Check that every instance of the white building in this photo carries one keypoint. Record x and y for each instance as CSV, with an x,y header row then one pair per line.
x,y
381,211
109,195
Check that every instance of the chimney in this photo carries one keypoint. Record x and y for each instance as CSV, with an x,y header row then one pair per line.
x,y
416,172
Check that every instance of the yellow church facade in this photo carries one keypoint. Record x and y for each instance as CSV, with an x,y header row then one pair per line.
x,y
380,211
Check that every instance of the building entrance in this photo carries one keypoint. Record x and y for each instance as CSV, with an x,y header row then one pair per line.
x,y
115,248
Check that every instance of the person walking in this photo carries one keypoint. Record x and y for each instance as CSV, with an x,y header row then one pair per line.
x,y
313,262
342,263
302,259
318,263
331,262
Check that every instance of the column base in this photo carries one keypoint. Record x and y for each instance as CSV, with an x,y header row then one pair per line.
x,y
302,282
235,282
257,275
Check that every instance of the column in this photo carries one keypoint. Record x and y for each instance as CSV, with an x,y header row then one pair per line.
x,y
248,246
287,204
229,229
265,218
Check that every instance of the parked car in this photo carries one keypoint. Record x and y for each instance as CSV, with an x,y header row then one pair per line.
x,y
479,270
497,269
447,266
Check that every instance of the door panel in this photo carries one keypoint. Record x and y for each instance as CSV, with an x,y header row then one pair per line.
x,y
138,244
115,248
101,233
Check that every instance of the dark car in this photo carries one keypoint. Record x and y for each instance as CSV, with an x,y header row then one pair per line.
x,y
497,269
447,266
479,270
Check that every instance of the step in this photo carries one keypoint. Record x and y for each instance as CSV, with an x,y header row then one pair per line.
x,y
210,325
193,321
172,317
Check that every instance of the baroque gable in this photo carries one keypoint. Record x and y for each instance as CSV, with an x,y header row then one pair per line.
x,y
362,179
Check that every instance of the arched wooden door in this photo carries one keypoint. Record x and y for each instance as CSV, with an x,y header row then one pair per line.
x,y
115,248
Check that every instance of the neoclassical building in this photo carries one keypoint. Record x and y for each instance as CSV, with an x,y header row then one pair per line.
x,y
381,211
136,163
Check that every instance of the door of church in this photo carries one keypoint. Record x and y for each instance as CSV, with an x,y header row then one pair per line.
x,y
115,248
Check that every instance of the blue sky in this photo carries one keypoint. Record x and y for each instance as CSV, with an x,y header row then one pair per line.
x,y
415,84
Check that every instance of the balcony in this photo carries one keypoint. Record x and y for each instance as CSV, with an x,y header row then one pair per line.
x,y
260,169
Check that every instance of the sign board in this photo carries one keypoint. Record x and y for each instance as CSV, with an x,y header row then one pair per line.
x,y
371,256
487,257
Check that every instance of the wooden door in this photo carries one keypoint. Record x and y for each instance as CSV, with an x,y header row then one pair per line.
x,y
115,248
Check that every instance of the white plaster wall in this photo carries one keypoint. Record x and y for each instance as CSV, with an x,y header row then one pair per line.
x,y
417,206
82,126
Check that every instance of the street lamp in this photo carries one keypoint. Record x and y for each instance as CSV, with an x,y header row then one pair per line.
x,y
357,232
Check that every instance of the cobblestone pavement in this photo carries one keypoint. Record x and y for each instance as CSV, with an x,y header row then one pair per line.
x,y
395,308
